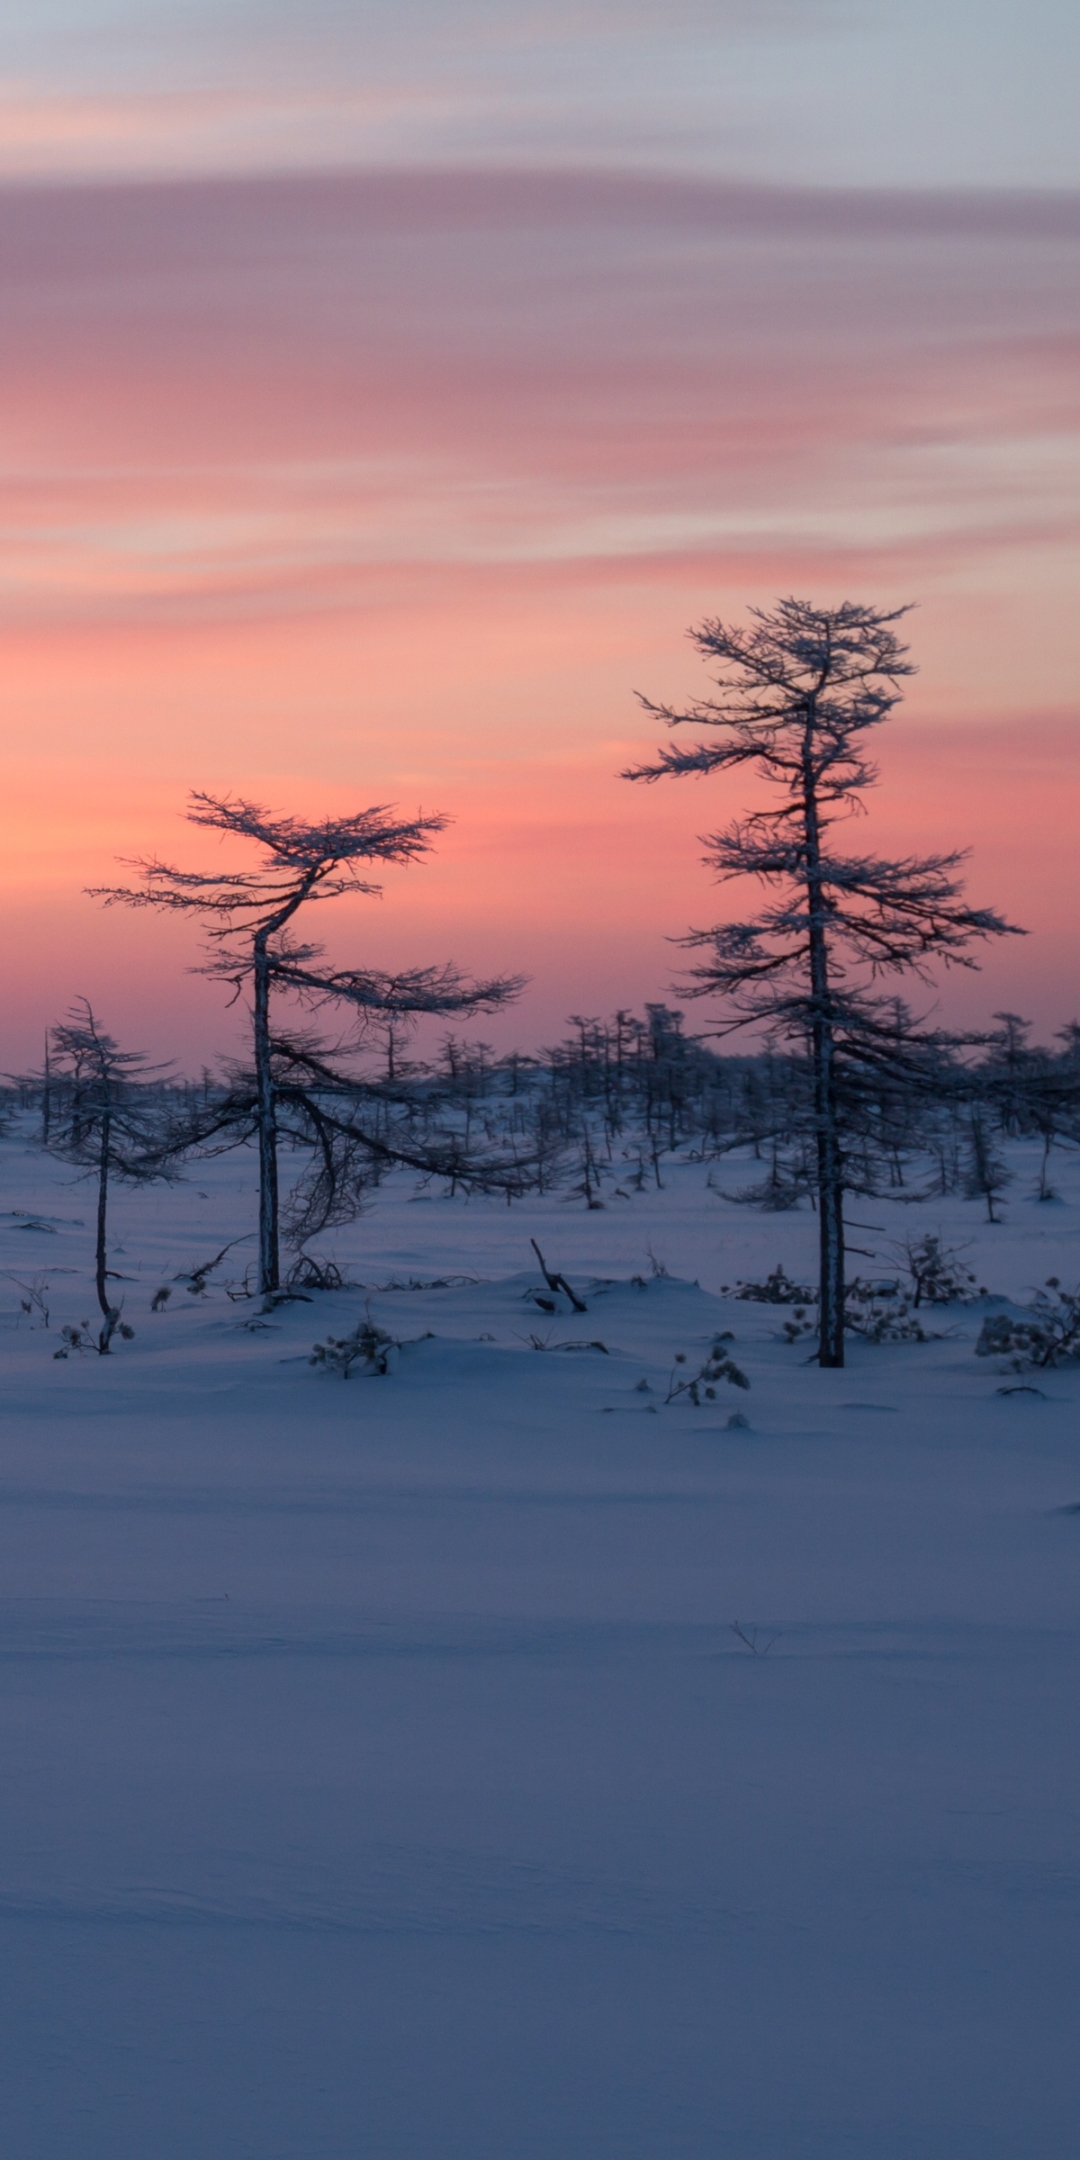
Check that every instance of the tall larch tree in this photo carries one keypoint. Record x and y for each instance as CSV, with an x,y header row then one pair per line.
x,y
800,692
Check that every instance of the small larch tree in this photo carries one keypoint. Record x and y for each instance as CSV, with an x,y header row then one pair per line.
x,y
108,1120
801,689
249,913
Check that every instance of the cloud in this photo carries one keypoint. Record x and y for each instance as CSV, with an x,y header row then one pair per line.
x,y
850,91
226,386
98,87
396,486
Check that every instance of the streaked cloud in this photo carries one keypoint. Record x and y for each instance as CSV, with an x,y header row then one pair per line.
x,y
224,391
897,92
395,486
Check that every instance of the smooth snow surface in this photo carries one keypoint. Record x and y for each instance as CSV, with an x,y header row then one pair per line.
x,y
381,1776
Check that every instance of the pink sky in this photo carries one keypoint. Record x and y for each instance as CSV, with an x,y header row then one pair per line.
x,y
394,488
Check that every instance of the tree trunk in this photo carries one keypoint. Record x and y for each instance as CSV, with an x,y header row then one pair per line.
x,y
1045,1189
101,1252
830,1204
269,1241
830,1180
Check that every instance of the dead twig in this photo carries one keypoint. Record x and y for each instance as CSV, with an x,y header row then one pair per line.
x,y
557,1282
750,1637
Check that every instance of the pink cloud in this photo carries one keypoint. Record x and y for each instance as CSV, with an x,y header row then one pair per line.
x,y
370,486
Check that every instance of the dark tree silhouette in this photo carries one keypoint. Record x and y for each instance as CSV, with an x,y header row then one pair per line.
x,y
800,690
108,1120
249,912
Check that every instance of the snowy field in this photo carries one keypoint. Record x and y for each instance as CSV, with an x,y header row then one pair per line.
x,y
382,1778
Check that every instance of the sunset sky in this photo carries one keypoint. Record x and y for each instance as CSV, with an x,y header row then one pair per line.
x,y
388,384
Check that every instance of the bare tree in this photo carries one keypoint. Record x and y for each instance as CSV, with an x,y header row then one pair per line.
x,y
249,913
988,1175
108,1121
800,689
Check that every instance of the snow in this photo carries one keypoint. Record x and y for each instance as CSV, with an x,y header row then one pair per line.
x,y
381,1774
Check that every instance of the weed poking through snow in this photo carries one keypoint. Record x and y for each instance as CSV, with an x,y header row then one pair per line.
x,y
701,1386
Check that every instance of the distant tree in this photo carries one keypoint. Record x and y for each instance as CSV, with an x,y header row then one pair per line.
x,y
1032,1091
800,689
108,1120
1009,1071
988,1174
249,912
46,1093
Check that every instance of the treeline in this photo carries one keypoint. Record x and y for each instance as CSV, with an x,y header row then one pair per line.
x,y
616,1099
605,1110
853,1091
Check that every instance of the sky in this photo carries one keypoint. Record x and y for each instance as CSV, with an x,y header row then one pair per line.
x,y
385,389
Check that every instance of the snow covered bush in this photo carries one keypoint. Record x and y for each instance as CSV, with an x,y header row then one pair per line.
x,y
1046,1334
777,1289
881,1313
368,1346
878,1312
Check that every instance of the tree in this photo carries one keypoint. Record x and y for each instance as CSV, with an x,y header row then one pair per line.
x,y
1009,1069
249,912
988,1174
1029,1090
109,1123
800,690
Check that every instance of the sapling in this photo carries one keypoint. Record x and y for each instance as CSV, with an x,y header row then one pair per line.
x,y
82,1337
34,1299
111,1124
701,1386
936,1272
